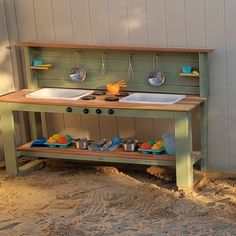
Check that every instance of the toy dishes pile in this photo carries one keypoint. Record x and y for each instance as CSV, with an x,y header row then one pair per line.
x,y
57,140
152,147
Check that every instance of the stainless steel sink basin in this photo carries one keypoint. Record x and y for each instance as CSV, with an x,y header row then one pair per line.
x,y
153,98
57,93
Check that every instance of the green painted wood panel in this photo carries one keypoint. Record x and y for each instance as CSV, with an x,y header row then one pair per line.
x,y
116,64
105,159
183,145
8,134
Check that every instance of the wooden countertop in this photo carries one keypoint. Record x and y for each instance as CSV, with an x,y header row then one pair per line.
x,y
187,104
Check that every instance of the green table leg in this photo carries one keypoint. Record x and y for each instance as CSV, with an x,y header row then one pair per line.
x,y
183,139
204,136
7,121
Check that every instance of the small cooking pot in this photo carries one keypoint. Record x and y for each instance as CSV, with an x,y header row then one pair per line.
x,y
82,143
130,145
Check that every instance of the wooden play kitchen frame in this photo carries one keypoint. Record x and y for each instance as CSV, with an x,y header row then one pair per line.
x,y
116,60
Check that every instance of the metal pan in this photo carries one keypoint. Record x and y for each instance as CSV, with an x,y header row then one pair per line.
x,y
156,77
78,73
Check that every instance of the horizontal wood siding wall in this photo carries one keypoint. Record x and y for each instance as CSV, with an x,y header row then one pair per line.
x,y
116,64
179,23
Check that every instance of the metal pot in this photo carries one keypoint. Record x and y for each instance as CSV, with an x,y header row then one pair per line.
x,y
82,143
130,145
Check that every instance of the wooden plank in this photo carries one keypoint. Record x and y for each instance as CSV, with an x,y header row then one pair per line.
x,y
99,21
44,20
230,55
195,23
115,47
81,21
218,118
62,20
25,20
20,102
183,145
77,152
30,166
175,15
118,22
203,69
7,122
156,22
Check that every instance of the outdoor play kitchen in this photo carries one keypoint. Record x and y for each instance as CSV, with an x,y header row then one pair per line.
x,y
119,81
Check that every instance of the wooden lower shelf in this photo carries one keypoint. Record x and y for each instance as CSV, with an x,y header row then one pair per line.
x,y
117,156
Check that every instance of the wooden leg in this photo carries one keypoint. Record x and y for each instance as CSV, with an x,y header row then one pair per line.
x,y
7,122
204,136
183,139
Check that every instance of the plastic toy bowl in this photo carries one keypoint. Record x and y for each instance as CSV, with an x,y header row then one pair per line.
x,y
113,88
169,140
187,69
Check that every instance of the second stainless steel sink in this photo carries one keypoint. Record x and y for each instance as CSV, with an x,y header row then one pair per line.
x,y
153,98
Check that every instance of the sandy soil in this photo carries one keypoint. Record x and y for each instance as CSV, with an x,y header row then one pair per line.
x,y
112,201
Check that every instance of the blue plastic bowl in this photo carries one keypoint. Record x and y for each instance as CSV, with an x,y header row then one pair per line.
x,y
187,69
169,141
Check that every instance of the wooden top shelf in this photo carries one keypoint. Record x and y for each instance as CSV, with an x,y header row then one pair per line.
x,y
115,47
186,104
189,75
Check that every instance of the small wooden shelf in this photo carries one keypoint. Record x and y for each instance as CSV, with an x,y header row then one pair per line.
x,y
114,47
189,75
117,156
41,67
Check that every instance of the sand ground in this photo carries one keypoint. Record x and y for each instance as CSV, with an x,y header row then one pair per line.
x,y
89,200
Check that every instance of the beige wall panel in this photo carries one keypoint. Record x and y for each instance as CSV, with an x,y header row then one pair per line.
x,y
176,31
81,21
55,124
126,127
196,37
99,21
90,127
62,20
7,82
108,127
156,22
231,82
137,19
218,119
73,125
162,126
195,23
118,22
26,20
144,129
44,20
